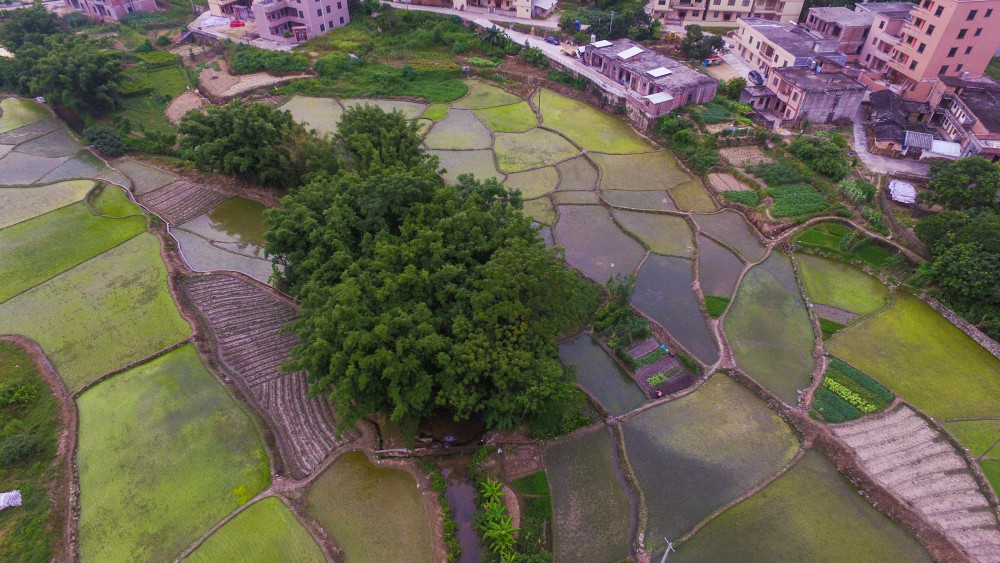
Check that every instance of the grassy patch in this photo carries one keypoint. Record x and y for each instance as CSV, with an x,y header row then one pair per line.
x,y
533,183
512,118
647,171
841,285
811,513
21,204
979,436
460,130
531,149
27,419
541,210
592,511
363,506
537,514
38,249
663,234
167,437
435,85
267,531
588,126
102,314
716,305
836,239
769,329
991,470
993,69
17,113
849,394
793,200
321,114
829,328
436,112
113,202
692,196
170,81
482,96
722,442
925,360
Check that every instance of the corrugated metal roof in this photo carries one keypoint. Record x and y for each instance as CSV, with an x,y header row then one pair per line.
x,y
659,98
918,140
544,4
603,43
629,53
658,72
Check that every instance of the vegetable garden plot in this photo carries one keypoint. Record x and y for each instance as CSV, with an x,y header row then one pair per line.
x,y
483,96
588,126
663,234
541,210
16,113
840,285
577,174
237,220
729,228
576,198
28,132
460,130
38,249
811,513
83,165
769,329
181,201
102,314
203,256
513,118
56,143
24,169
924,359
144,178
978,436
694,455
267,531
655,201
247,323
21,204
718,268
531,149
909,457
848,393
796,200
692,196
373,513
409,109
478,163
601,376
533,183
593,513
321,114
663,291
594,244
164,454
646,171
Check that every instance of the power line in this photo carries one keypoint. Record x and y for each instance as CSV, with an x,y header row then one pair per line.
x,y
666,552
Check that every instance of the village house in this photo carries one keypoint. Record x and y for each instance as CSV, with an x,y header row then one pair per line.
x,y
820,95
113,10
848,27
723,13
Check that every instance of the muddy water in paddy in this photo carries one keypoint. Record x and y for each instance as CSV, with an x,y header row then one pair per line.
x,y
718,268
461,497
601,376
663,291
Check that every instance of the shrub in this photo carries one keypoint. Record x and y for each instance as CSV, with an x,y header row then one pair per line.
x,y
159,59
790,201
145,47
657,379
704,159
746,197
566,77
535,56
162,41
20,447
846,394
16,394
105,140
651,357
857,190
477,61
246,59
779,173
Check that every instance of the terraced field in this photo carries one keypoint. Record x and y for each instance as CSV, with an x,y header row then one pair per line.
x,y
181,201
247,323
267,531
909,457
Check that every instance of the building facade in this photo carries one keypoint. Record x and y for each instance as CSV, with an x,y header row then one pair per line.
x,y
765,44
112,10
723,13
800,93
655,83
298,20
849,28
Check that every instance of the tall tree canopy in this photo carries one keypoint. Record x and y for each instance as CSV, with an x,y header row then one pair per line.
x,y
420,297
28,25
697,45
965,183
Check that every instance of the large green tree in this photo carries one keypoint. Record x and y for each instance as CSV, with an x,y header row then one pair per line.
x,y
965,183
698,45
27,26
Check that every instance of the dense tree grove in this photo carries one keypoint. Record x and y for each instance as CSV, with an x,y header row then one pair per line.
x,y
965,240
29,25
697,45
419,297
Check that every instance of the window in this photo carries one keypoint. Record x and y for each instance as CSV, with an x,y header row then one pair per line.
x,y
971,16
959,68
322,27
927,4
716,13
952,51
943,70
795,96
930,29
918,23
301,15
921,48
968,49
732,2
717,2
868,58
874,40
881,24
338,5
988,13
695,13
909,40
328,9
319,12
913,65
775,81
682,14
746,2
939,11
978,32
962,32
341,19
329,24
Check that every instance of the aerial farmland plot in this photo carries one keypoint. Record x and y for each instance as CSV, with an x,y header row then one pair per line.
x,y
20,204
266,531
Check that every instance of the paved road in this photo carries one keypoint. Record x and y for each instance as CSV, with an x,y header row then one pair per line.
x,y
551,22
882,164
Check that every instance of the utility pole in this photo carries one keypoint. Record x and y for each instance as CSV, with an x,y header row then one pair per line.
x,y
612,24
670,547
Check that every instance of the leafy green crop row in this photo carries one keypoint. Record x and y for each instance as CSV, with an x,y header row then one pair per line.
x,y
746,197
650,357
846,386
850,396
796,199
832,408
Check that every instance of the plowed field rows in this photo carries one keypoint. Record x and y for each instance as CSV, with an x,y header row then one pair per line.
x,y
912,459
180,201
247,324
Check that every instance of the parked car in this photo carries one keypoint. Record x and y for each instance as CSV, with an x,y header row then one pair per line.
x,y
756,78
236,23
552,40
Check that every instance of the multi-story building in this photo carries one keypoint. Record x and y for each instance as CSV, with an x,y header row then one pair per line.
x,y
112,10
797,93
655,83
937,38
723,13
298,20
887,21
765,44
848,27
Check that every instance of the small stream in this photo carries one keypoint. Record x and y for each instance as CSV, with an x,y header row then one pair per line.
x,y
461,499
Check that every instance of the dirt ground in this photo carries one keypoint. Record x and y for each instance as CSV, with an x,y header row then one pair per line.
x,y
182,104
738,156
217,81
725,182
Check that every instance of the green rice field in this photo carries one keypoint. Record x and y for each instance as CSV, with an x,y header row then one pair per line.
x,y
588,126
436,112
811,513
112,201
483,96
646,171
594,244
979,436
533,183
120,307
164,454
662,233
593,513
513,118
840,285
531,149
17,113
695,455
769,329
21,204
373,513
266,532
692,196
925,360
541,210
